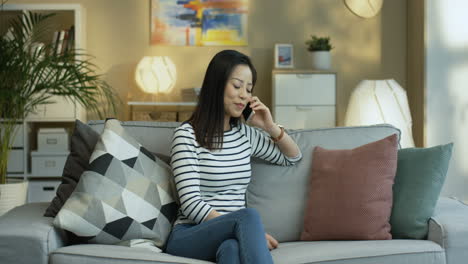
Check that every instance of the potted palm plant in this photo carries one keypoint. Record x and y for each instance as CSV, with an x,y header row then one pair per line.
x,y
30,74
320,48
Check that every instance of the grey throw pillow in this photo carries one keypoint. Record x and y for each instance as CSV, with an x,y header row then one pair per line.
x,y
126,194
83,141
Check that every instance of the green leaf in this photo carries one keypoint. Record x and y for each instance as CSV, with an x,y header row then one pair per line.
x,y
29,78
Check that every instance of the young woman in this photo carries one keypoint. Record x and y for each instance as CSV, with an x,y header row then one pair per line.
x,y
210,159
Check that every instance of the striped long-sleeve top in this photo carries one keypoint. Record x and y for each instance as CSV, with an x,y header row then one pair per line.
x,y
217,180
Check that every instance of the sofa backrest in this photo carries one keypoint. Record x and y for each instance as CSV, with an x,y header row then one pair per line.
x,y
279,193
155,136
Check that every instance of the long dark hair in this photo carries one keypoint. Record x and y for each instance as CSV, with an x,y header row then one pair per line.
x,y
208,118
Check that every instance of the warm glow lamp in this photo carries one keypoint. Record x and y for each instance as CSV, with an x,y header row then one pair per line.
x,y
381,101
156,74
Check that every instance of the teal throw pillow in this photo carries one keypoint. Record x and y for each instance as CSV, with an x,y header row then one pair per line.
x,y
419,179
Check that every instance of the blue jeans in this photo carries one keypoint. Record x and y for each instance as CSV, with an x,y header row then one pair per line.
x,y
237,237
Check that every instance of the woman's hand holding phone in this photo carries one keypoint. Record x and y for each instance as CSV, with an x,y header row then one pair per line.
x,y
261,116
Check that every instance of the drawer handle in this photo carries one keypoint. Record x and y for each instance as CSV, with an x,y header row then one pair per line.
x,y
48,188
304,108
304,76
51,141
50,163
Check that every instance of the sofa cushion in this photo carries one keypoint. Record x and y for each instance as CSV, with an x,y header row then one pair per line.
x,y
103,254
26,236
362,252
279,193
126,194
419,179
83,140
350,192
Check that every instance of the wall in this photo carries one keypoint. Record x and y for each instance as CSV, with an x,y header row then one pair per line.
x,y
446,81
117,33
415,67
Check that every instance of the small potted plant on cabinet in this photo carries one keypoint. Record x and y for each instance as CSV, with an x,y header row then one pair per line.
x,y
319,48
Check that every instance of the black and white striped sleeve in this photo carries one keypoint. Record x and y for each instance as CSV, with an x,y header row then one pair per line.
x,y
263,147
184,163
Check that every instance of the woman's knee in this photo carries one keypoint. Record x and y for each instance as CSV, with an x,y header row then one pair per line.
x,y
249,214
230,245
228,251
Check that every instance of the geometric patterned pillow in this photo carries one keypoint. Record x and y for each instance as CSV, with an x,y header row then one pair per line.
x,y
126,194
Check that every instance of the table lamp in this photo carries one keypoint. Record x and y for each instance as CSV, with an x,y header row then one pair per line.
x,y
156,74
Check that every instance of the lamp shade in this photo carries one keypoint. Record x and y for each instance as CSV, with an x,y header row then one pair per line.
x,y
381,101
364,8
156,74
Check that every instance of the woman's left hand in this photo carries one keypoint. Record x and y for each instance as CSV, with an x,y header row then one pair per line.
x,y
262,117
271,242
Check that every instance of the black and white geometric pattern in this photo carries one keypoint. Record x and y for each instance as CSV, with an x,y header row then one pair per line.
x,y
126,194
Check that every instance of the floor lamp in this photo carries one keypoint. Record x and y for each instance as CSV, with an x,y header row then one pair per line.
x,y
381,101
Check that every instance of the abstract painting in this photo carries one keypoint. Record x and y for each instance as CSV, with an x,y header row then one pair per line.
x,y
199,22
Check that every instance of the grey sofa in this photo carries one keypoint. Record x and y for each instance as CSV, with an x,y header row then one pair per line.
x,y
278,193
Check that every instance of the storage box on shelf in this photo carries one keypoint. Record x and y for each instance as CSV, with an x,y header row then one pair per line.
x,y
304,98
52,140
16,158
48,164
48,152
42,190
48,161
27,161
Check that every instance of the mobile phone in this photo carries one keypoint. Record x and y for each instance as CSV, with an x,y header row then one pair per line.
x,y
248,112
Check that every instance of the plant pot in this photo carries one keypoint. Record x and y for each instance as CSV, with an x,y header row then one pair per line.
x,y
12,195
321,60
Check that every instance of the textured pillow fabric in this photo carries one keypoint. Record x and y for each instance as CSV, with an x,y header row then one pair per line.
x,y
126,194
419,179
350,192
83,141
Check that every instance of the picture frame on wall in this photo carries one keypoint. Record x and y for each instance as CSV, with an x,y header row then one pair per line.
x,y
284,55
199,23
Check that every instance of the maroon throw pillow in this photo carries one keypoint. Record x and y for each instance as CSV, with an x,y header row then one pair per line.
x,y
350,192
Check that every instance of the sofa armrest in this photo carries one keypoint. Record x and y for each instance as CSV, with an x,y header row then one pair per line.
x,y
448,227
26,236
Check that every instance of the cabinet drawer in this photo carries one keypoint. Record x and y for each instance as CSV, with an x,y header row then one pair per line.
x,y
42,191
303,117
47,165
304,89
16,161
61,109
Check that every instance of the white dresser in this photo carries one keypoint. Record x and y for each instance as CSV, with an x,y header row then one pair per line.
x,y
304,98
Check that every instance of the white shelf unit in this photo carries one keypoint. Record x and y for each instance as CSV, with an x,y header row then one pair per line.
x,y
62,113
304,99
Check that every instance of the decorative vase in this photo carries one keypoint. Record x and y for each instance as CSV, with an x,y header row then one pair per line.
x,y
321,60
12,195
